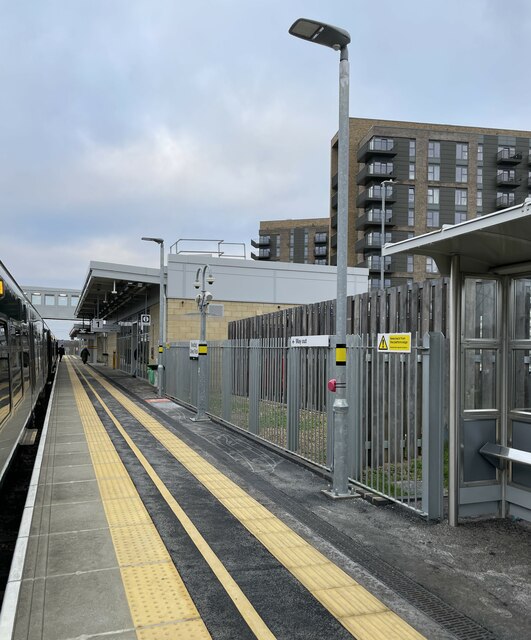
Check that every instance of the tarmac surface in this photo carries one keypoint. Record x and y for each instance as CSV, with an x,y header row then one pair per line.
x,y
470,581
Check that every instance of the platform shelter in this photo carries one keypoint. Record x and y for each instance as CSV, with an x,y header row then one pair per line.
x,y
488,260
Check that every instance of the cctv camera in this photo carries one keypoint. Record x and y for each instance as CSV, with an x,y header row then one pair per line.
x,y
196,284
208,296
210,279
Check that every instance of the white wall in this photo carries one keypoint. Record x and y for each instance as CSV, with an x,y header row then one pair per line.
x,y
256,281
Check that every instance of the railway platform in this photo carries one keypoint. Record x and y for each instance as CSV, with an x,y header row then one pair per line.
x,y
141,523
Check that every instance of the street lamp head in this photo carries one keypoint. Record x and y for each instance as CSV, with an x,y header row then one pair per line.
x,y
157,240
320,33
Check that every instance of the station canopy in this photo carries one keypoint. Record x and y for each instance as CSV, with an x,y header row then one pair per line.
x,y
496,243
109,287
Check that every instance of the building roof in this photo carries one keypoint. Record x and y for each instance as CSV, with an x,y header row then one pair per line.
x,y
497,241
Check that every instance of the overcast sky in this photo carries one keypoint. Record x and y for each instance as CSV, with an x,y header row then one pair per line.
x,y
199,119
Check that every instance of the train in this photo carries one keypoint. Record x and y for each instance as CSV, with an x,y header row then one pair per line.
x,y
28,360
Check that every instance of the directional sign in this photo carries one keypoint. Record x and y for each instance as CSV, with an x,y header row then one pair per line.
x,y
145,319
310,341
394,342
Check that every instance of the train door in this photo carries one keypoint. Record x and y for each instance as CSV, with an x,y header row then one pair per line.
x,y
5,392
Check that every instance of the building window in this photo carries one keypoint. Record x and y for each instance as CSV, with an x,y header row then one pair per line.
x,y
291,253
460,216
411,217
432,218
411,170
433,195
480,153
320,251
412,148
409,265
461,151
431,267
49,299
479,198
480,176
434,149
36,298
264,239
461,174
506,175
321,236
320,260
411,195
461,197
434,172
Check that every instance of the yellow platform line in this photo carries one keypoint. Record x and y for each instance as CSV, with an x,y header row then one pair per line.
x,y
362,614
160,605
240,600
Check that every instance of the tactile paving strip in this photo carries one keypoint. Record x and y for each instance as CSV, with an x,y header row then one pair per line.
x,y
160,604
372,620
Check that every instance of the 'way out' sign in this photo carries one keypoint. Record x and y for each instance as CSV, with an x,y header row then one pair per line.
x,y
394,342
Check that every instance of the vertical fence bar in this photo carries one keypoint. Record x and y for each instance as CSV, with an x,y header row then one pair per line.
x,y
294,396
226,380
255,382
329,405
432,426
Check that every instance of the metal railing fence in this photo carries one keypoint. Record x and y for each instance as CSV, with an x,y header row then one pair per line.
x,y
279,393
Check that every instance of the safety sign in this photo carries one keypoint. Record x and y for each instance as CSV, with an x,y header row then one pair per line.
x,y
394,342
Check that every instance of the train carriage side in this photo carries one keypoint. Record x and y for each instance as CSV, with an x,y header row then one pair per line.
x,y
26,364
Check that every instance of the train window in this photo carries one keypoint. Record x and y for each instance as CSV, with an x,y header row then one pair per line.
x,y
15,364
5,401
49,299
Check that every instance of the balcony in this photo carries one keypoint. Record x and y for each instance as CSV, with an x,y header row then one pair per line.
x,y
377,171
320,251
263,241
333,241
505,200
333,221
373,218
335,179
506,179
371,242
263,254
320,238
508,156
374,194
373,263
334,202
377,146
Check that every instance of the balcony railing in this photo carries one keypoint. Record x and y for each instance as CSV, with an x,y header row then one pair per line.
x,y
373,172
506,179
376,147
505,200
509,156
373,217
263,241
320,238
374,194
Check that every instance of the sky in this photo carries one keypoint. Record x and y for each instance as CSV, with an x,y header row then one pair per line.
x,y
128,118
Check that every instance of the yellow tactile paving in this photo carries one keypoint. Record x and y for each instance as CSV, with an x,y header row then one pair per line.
x,y
155,592
373,620
247,611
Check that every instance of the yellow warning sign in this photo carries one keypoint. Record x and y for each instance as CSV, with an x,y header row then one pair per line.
x,y
394,342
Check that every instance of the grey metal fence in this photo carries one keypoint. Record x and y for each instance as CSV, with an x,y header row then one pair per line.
x,y
279,393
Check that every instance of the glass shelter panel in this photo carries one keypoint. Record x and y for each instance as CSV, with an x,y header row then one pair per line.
x,y
521,400
480,379
480,317
522,309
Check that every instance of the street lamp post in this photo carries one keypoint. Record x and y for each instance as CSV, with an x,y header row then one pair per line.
x,y
162,318
203,300
337,39
383,187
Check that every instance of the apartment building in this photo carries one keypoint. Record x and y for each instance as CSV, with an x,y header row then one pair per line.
x,y
303,241
444,174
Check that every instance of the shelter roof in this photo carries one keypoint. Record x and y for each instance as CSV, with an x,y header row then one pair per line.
x,y
497,242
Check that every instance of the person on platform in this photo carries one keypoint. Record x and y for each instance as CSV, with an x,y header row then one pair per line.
x,y
85,355
61,352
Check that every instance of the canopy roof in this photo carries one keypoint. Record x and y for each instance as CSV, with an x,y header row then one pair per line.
x,y
497,242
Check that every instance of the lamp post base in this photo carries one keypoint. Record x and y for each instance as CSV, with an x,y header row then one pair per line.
x,y
333,495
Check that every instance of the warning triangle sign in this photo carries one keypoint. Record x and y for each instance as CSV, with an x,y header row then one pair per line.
x,y
383,345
